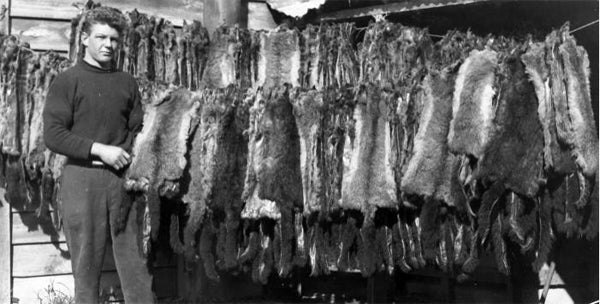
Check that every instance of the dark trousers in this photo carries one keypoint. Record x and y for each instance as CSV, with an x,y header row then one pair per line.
x,y
90,196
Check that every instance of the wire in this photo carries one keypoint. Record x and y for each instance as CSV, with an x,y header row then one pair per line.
x,y
583,26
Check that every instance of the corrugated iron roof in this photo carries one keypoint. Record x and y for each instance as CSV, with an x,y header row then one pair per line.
x,y
348,9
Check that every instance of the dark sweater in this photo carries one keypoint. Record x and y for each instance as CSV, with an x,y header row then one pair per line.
x,y
86,104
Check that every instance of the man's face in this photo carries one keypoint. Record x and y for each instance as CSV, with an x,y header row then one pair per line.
x,y
100,44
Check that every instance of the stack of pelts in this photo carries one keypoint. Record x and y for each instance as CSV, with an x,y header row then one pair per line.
x,y
381,126
322,108
213,182
522,117
273,185
495,127
328,58
430,178
229,58
30,170
558,69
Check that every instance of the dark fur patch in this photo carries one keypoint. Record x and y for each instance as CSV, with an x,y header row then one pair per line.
x,y
513,155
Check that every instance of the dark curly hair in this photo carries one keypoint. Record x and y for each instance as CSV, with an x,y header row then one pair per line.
x,y
104,15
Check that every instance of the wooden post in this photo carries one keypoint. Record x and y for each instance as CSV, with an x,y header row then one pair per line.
x,y
5,261
5,241
225,12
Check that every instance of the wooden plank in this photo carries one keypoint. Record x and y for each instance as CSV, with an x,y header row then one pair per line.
x,y
43,34
34,231
5,265
173,10
259,17
47,259
390,8
41,289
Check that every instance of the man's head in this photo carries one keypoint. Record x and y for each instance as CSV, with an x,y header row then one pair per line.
x,y
101,34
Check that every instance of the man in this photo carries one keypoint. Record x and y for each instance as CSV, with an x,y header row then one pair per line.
x,y
92,114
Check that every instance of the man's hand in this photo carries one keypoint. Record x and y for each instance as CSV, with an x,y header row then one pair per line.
x,y
113,156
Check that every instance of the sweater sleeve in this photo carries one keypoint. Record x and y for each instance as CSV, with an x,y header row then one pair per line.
x,y
136,115
58,119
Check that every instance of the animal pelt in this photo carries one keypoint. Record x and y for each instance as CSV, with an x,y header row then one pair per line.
x,y
310,56
279,60
327,56
199,177
570,215
472,105
336,127
17,191
228,58
309,111
430,148
393,55
50,64
127,55
557,157
229,121
145,52
277,158
276,164
577,74
27,66
450,189
255,208
545,233
346,63
195,40
9,107
159,149
368,180
515,144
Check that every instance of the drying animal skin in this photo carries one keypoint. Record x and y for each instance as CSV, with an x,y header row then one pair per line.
x,y
277,166
422,175
279,58
579,104
228,58
255,208
256,212
159,149
273,169
158,38
145,51
9,62
277,158
195,46
516,139
368,182
368,179
557,157
172,55
222,158
309,40
472,107
50,64
309,111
